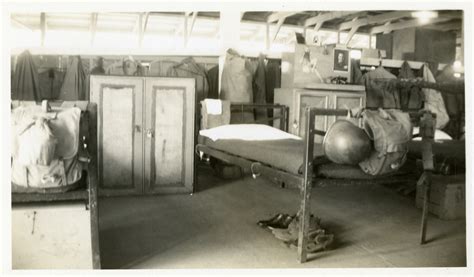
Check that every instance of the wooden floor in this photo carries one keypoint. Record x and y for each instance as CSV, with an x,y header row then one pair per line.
x,y
216,228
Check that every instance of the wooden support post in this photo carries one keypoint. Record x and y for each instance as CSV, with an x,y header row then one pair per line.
x,y
229,29
185,32
93,27
267,36
43,27
140,29
305,190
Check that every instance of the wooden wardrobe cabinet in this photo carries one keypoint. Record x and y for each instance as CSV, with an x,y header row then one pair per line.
x,y
326,96
145,134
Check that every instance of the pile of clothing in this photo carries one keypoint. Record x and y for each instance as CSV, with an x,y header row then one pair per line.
x,y
286,227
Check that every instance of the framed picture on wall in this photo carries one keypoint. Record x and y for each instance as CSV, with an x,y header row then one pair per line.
x,y
341,60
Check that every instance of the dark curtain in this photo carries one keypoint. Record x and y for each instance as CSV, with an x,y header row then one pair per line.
x,y
75,81
25,85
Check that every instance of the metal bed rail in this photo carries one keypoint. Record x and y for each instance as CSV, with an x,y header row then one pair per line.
x,y
427,122
282,111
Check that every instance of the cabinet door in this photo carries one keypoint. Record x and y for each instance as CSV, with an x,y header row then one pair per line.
x,y
305,100
169,135
120,157
348,101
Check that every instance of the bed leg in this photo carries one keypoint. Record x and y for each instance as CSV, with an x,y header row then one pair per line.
x,y
304,215
305,208
426,197
427,131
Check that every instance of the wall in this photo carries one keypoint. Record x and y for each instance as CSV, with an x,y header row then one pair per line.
x,y
419,44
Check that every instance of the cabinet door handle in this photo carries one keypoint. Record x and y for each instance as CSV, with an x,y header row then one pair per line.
x,y
138,128
149,133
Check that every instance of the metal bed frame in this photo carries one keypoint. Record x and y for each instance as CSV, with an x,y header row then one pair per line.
x,y
87,194
304,181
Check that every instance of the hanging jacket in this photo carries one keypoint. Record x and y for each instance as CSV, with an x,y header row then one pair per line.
x,y
25,85
434,101
454,103
356,77
259,88
236,84
236,79
50,82
75,84
381,94
189,68
213,80
410,97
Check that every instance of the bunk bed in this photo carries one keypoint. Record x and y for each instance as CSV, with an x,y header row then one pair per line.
x,y
81,196
297,166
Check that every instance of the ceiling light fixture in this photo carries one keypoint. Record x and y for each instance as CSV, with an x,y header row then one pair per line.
x,y
424,16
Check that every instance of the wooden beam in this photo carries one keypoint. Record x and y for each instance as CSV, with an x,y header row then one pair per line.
x,y
20,24
351,34
318,26
277,16
445,27
280,22
145,25
43,27
93,26
326,17
380,19
193,20
404,25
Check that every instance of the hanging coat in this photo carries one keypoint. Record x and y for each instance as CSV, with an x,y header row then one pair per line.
x,y
75,84
434,101
189,68
259,88
25,85
51,81
410,97
236,84
213,80
381,94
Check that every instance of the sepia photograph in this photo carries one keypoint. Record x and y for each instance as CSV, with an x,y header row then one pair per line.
x,y
293,136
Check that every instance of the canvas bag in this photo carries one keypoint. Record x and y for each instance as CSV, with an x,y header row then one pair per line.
x,y
390,131
44,148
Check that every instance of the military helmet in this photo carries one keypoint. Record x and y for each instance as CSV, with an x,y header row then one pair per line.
x,y
346,143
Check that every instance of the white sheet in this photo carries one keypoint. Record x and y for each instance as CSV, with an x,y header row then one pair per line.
x,y
213,106
254,132
439,135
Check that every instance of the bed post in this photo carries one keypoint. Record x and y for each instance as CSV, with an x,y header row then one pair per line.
x,y
427,130
93,184
305,189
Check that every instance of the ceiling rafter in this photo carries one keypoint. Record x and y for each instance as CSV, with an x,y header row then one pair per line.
x,y
375,19
321,18
403,25
277,16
